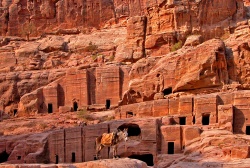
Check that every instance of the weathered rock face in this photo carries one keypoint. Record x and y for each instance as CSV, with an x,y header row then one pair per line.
x,y
238,57
152,28
24,148
133,49
47,59
51,14
163,16
188,69
14,85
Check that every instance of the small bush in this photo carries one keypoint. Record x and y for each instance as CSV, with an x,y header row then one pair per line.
x,y
81,114
94,57
112,58
91,47
84,115
176,46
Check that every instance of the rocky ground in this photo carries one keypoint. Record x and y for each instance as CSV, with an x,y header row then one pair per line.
x,y
108,163
42,122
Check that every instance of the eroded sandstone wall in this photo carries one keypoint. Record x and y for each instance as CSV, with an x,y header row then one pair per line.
x,y
163,16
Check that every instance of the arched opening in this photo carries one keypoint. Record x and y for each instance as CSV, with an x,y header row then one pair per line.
x,y
4,157
50,108
19,157
75,106
147,158
73,159
15,112
108,104
167,91
133,129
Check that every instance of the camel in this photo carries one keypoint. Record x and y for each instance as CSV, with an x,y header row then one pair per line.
x,y
110,140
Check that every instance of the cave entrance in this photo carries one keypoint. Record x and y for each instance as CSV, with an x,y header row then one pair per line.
x,y
4,156
57,159
182,120
50,108
133,129
15,112
73,158
170,147
247,130
167,91
205,119
129,114
147,158
108,102
75,106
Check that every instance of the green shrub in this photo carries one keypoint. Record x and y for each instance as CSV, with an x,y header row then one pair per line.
x,y
176,46
94,56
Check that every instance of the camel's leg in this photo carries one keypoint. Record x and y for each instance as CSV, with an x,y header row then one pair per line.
x,y
99,150
114,151
98,146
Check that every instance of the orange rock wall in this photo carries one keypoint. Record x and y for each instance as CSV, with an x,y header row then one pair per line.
x,y
82,87
163,16
108,85
222,108
75,88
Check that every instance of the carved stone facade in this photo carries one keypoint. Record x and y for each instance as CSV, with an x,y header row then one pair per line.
x,y
102,86
228,110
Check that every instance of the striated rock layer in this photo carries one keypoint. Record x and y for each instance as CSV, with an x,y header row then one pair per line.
x,y
164,18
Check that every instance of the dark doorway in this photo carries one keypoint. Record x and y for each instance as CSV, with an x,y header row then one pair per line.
x,y
108,104
205,119
193,119
73,159
182,120
57,159
129,114
133,129
15,112
147,158
170,147
50,108
247,130
18,157
75,105
167,91
4,156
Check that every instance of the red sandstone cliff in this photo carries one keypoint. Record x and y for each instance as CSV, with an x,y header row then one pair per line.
x,y
152,29
113,53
